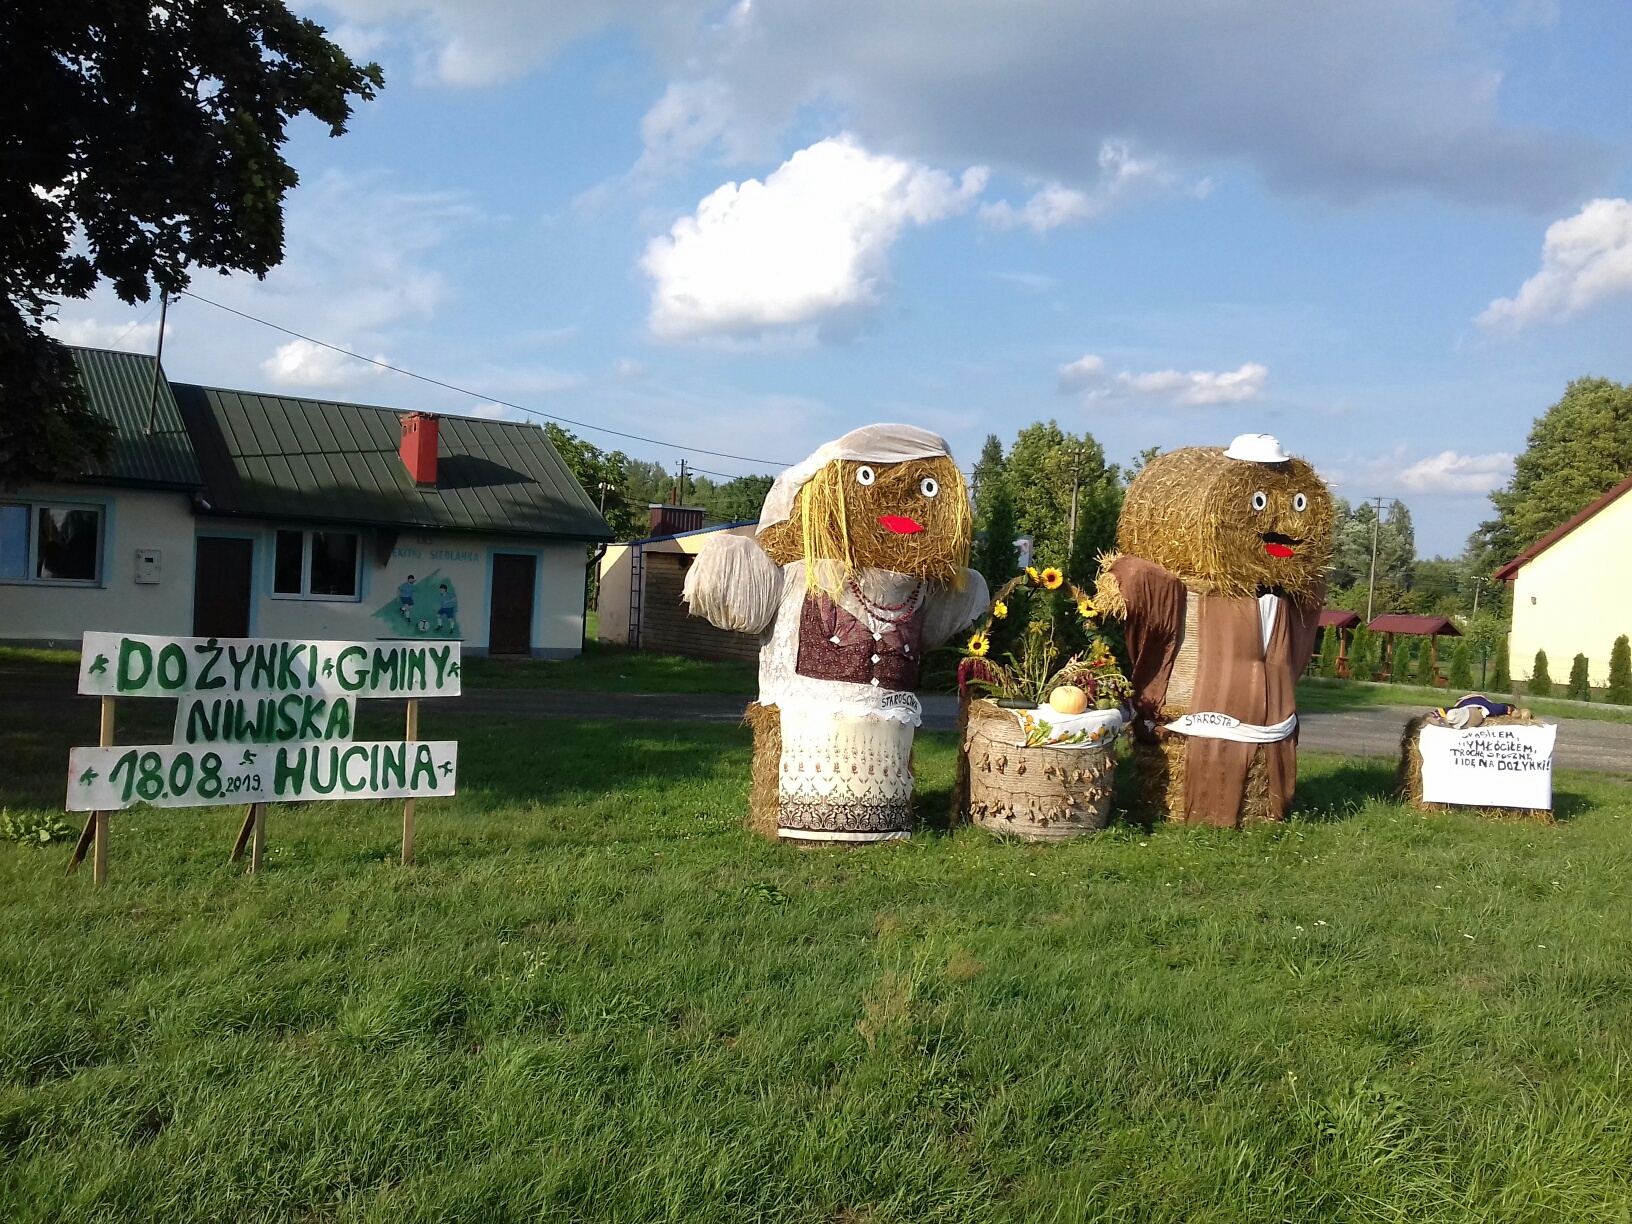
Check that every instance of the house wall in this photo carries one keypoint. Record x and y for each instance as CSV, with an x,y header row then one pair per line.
x,y
465,562
57,615
1576,597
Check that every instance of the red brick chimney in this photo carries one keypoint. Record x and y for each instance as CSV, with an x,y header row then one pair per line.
x,y
419,435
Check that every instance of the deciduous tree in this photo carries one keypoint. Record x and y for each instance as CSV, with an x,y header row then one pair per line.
x,y
139,141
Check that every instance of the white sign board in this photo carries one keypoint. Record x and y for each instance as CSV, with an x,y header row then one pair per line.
x,y
1509,766
174,775
141,665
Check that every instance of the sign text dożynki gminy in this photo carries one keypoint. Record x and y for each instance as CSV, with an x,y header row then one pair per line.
x,y
141,665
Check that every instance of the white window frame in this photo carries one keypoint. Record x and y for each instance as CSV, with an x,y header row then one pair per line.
x,y
306,565
31,542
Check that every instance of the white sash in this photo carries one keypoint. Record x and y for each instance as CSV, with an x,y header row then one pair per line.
x,y
1207,725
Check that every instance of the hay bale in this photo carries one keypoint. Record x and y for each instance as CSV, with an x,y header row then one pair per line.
x,y
1408,778
1191,511
766,722
835,518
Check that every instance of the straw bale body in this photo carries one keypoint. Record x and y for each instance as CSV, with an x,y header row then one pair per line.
x,y
863,574
1219,578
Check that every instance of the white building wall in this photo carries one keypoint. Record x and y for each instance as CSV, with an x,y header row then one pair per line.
x,y
464,561
59,614
1576,597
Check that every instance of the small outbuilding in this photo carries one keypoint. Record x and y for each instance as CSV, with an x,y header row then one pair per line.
x,y
1342,623
639,605
1572,589
1396,625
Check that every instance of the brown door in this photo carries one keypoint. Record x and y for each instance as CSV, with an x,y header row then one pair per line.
x,y
510,627
222,583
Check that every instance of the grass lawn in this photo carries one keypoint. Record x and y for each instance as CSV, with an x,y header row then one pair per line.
x,y
1317,694
598,998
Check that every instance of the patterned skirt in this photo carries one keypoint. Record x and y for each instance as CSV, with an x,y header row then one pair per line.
x,y
843,778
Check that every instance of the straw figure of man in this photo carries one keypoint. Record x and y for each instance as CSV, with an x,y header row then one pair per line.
x,y
1219,578
859,566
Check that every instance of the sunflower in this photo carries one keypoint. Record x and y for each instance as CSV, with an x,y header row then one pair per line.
x,y
1000,610
1051,579
1032,575
1086,609
979,644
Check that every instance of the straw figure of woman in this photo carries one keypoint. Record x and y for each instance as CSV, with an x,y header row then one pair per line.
x,y
859,566
1219,576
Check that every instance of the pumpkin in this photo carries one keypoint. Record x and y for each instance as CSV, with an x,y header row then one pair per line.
x,y
1068,699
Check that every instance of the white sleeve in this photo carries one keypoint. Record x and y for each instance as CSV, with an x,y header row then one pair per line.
x,y
734,584
949,609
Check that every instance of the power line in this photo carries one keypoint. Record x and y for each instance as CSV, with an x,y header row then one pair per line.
x,y
437,382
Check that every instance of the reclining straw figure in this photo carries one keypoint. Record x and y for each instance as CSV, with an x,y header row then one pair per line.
x,y
859,566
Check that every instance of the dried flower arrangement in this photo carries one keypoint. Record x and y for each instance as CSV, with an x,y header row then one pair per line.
x,y
1048,631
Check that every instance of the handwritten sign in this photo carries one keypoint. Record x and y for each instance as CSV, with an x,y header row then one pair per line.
x,y
141,665
172,775
1508,766
269,720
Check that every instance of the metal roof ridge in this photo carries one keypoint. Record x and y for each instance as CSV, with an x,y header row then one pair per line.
x,y
339,403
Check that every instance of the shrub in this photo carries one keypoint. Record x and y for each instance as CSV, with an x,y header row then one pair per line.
x,y
1328,651
33,828
1362,654
1461,673
1399,664
1501,681
1620,672
1580,689
1541,683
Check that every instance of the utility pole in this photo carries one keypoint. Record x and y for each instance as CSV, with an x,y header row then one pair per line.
x,y
681,487
1478,584
1076,483
158,357
1371,584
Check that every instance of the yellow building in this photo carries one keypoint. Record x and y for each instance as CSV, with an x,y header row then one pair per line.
x,y
1572,590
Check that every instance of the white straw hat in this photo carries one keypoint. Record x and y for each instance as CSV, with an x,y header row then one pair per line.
x,y
1257,448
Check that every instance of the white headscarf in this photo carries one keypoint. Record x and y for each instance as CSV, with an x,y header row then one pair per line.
x,y
869,444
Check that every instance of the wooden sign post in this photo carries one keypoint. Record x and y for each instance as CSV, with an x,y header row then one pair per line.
x,y
258,721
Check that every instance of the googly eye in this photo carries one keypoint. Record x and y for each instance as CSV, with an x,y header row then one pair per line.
x,y
864,475
929,487
1300,502
1260,500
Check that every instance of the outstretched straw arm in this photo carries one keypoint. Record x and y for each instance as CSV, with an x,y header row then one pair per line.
x,y
734,584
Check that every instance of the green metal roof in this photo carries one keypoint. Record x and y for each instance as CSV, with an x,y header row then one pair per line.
x,y
120,388
269,456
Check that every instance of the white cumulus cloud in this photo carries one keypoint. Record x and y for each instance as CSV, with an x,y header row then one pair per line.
x,y
1450,472
1584,260
94,333
1082,373
300,363
808,245
1055,204
1193,387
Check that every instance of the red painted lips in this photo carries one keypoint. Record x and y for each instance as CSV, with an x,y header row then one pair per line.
x,y
899,525
1278,550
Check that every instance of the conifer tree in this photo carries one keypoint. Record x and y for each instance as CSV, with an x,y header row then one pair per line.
x,y
1399,664
1461,673
1328,651
1620,672
1541,683
1580,688
1501,680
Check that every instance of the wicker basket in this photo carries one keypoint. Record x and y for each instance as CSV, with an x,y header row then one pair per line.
x,y
1037,794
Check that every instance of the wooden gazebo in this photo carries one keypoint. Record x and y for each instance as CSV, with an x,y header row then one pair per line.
x,y
1431,627
1336,620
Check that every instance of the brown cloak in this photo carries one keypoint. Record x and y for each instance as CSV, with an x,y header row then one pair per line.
x,y
1235,675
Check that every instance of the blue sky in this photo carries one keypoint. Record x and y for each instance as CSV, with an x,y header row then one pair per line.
x,y
1389,231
